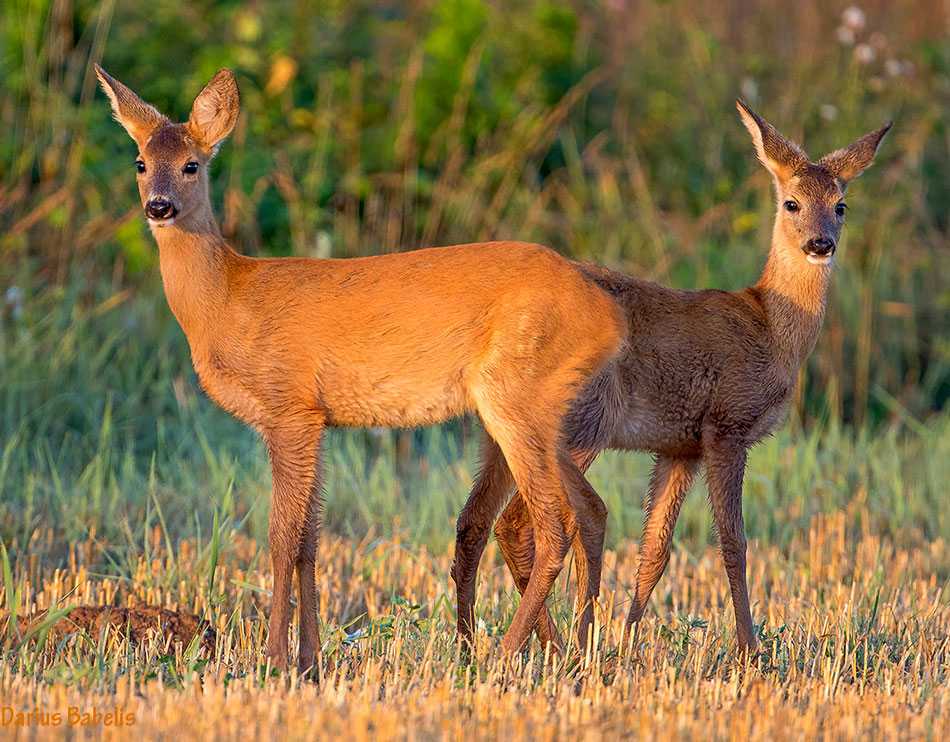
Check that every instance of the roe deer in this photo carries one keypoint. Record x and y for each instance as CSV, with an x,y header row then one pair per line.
x,y
703,376
292,346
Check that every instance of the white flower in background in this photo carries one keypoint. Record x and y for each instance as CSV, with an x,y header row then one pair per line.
x,y
864,53
853,17
324,246
845,35
893,68
749,89
828,112
14,299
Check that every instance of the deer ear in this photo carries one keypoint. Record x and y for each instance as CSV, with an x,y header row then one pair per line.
x,y
849,162
215,111
137,117
780,156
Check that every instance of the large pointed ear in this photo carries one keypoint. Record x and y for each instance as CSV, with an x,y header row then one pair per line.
x,y
851,161
137,117
780,156
215,111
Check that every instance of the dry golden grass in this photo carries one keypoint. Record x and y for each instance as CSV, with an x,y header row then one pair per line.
x,y
857,644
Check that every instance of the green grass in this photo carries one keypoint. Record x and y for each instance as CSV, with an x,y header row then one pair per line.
x,y
107,435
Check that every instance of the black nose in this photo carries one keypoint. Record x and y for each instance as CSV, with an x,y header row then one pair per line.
x,y
160,208
820,246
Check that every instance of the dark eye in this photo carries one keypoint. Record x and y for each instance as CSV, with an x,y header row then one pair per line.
x,y
840,209
140,166
791,206
190,168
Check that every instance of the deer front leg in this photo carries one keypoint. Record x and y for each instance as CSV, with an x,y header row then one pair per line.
x,y
669,484
725,467
307,585
294,454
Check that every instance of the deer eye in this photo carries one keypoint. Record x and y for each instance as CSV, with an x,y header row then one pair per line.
x,y
791,206
190,168
139,166
840,209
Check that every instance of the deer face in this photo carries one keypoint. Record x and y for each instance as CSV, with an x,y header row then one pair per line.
x,y
172,175
811,207
171,166
811,212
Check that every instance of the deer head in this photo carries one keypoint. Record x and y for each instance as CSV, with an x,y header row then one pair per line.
x,y
172,163
810,195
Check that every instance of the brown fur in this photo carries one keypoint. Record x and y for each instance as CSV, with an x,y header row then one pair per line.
x,y
292,346
136,623
703,376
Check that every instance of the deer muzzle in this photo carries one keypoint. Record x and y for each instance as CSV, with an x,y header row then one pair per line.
x,y
819,250
160,210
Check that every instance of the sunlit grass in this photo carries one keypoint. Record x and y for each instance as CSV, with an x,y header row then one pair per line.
x,y
854,643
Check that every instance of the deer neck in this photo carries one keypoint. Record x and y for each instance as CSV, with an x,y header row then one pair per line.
x,y
793,294
194,261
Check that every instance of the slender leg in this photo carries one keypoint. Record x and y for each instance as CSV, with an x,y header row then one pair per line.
x,y
725,467
307,585
488,495
554,527
530,446
669,483
293,453
515,537
588,547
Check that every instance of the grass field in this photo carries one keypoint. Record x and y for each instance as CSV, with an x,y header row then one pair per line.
x,y
856,644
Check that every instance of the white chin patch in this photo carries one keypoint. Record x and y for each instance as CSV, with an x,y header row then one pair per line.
x,y
161,222
818,259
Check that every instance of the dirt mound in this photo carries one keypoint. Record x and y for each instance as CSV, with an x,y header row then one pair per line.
x,y
135,623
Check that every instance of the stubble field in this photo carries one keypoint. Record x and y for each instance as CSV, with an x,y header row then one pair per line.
x,y
855,644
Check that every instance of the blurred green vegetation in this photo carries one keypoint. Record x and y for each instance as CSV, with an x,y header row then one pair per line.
x,y
109,436
605,130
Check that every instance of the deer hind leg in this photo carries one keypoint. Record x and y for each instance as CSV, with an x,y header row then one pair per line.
x,y
588,546
528,435
528,381
669,484
725,468
539,478
488,495
515,537
294,452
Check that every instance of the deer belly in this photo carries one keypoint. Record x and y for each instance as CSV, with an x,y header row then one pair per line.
x,y
394,399
670,430
769,420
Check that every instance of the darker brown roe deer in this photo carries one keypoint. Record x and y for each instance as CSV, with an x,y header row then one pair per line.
x,y
702,377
